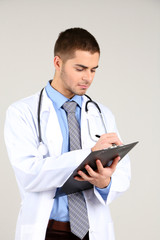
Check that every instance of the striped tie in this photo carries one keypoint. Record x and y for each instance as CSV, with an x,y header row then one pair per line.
x,y
77,206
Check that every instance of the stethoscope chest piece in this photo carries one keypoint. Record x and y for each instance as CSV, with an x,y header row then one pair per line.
x,y
43,149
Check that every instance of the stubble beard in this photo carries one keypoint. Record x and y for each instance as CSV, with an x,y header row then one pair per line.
x,y
73,92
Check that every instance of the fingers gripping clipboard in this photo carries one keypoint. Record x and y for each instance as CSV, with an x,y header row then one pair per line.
x,y
106,156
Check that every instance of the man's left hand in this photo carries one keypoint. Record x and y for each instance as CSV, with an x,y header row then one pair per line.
x,y
101,177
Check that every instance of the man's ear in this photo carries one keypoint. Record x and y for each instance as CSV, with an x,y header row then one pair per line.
x,y
57,63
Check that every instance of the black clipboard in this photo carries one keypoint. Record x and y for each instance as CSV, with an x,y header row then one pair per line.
x,y
106,156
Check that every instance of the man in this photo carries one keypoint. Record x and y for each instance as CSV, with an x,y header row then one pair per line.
x,y
44,214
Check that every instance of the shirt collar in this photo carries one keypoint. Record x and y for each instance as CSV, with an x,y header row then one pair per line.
x,y
58,98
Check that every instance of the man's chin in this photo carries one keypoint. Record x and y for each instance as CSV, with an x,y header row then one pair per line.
x,y
81,92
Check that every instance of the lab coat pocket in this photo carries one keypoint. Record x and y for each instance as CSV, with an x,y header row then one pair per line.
x,y
33,232
27,231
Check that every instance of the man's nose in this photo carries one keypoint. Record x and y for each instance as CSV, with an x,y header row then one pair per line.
x,y
87,75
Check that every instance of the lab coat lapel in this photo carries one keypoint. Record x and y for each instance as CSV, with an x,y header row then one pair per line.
x,y
53,130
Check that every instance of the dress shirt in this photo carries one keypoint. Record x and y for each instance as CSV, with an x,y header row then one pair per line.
x,y
60,208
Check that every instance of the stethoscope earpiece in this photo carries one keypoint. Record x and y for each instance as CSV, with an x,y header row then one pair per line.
x,y
43,149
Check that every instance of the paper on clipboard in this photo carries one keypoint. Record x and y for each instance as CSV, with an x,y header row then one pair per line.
x,y
106,156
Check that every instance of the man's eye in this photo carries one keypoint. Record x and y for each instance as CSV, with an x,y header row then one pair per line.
x,y
79,69
93,70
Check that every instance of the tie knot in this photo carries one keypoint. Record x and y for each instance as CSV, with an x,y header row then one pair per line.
x,y
70,107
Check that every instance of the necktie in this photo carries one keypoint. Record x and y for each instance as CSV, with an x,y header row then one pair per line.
x,y
77,207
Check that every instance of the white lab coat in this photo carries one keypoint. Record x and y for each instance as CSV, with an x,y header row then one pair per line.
x,y
38,176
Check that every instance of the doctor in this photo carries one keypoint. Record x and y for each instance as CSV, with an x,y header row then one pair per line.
x,y
39,173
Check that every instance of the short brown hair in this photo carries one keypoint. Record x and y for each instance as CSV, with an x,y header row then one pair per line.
x,y
75,39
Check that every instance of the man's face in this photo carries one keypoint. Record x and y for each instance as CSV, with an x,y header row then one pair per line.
x,y
76,74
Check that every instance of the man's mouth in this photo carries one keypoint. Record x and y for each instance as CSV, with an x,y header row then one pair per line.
x,y
83,86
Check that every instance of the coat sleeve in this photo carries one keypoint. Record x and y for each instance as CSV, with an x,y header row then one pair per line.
x,y
122,175
33,172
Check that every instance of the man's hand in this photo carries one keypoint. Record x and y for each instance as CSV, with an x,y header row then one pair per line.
x,y
106,141
102,176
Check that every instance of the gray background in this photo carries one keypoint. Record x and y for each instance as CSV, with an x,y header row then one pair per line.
x,y
127,81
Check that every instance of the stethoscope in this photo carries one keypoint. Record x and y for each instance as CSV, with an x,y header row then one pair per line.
x,y
42,147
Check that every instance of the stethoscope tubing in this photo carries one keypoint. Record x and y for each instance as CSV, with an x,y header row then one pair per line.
x,y
38,115
86,110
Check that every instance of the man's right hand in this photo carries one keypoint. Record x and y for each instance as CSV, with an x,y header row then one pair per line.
x,y
105,141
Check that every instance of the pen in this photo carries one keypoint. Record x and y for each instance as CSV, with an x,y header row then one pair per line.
x,y
113,144
98,136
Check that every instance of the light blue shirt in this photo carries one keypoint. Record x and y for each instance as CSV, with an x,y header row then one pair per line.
x,y
60,207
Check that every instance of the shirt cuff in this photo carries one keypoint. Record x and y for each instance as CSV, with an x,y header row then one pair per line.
x,y
104,191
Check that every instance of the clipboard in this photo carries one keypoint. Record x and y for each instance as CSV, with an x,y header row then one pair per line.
x,y
106,156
